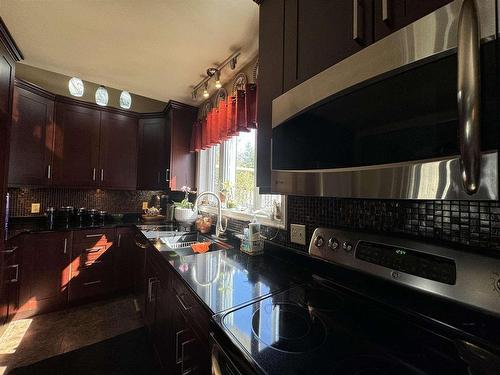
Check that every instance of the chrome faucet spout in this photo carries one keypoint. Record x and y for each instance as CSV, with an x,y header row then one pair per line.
x,y
219,229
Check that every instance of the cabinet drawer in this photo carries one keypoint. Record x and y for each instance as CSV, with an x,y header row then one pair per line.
x,y
193,311
94,236
89,282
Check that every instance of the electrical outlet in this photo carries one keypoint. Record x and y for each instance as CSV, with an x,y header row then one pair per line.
x,y
35,208
298,234
144,205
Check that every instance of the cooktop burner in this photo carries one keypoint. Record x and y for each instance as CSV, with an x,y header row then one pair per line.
x,y
373,365
288,327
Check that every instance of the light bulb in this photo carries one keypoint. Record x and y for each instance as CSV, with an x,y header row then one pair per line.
x,y
205,93
218,84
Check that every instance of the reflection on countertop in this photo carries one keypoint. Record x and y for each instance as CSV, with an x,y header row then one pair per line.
x,y
229,278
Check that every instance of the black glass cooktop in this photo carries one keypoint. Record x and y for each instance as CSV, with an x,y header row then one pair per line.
x,y
320,328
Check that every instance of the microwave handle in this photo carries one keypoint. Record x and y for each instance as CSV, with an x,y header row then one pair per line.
x,y
468,96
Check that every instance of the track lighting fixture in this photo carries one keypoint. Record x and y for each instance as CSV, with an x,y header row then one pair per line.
x,y
205,91
194,94
233,62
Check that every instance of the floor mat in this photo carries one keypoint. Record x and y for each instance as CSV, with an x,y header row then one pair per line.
x,y
127,354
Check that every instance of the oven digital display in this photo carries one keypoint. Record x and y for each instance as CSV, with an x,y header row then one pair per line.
x,y
429,266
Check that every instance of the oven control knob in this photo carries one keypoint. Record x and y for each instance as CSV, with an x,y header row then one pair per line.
x,y
347,246
333,244
319,241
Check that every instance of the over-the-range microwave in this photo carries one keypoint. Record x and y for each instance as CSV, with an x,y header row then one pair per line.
x,y
412,116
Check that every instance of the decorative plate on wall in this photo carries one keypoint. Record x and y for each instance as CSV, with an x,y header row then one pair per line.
x,y
205,108
239,82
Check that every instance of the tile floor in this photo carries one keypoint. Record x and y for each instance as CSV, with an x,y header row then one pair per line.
x,y
27,341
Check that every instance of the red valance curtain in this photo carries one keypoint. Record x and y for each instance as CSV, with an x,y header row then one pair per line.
x,y
233,115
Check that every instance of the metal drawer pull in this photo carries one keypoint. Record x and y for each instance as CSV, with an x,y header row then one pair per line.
x,y
91,262
119,240
182,303
9,251
92,282
94,235
167,175
65,246
93,175
183,372
355,21
177,358
385,10
49,172
16,279
102,174
151,282
93,249
468,96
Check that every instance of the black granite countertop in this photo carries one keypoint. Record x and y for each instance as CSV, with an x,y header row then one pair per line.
x,y
40,224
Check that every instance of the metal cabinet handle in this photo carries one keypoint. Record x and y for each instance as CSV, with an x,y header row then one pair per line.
x,y
355,21
159,177
469,96
152,281
94,235
65,246
16,279
385,10
182,303
49,172
93,174
92,282
177,358
167,175
102,174
183,345
9,251
93,249
119,240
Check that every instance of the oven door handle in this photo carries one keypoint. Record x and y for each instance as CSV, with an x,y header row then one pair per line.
x,y
469,96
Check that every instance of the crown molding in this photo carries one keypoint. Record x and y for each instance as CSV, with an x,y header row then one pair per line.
x,y
8,41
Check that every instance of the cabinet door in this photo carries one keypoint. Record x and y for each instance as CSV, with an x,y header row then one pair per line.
x,y
122,259
154,151
32,138
7,69
320,33
76,148
392,15
270,82
44,272
118,151
10,266
182,161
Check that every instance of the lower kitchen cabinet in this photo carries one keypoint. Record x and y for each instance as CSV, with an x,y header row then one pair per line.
x,y
44,273
177,323
10,274
122,257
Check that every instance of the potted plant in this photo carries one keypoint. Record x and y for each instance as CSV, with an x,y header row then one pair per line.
x,y
184,212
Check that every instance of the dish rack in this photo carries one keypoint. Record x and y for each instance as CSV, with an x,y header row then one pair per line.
x,y
255,247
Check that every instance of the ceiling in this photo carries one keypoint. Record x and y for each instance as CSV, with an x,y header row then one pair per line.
x,y
154,48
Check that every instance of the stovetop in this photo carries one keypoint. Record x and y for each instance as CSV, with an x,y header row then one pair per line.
x,y
323,328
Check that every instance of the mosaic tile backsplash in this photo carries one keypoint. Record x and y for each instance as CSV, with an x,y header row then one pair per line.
x,y
468,223
113,201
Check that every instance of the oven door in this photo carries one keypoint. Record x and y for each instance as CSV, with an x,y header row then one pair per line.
x,y
413,116
225,364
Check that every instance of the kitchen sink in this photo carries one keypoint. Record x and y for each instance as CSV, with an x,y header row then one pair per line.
x,y
180,243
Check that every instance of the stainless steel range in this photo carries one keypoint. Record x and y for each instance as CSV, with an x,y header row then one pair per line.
x,y
385,306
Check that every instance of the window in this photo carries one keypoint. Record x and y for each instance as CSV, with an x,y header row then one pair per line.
x,y
229,168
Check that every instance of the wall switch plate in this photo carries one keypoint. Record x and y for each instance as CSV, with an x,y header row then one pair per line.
x,y
298,234
144,205
35,208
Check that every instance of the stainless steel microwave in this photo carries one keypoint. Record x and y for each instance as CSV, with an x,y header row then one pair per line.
x,y
412,116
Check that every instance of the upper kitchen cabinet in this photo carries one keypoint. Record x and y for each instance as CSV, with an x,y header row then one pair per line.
x,y
270,83
154,151
76,150
165,160
180,119
318,34
118,151
392,15
32,136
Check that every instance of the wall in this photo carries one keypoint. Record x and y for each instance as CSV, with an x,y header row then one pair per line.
x,y
113,201
58,84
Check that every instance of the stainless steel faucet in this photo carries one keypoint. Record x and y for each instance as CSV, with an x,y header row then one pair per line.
x,y
219,230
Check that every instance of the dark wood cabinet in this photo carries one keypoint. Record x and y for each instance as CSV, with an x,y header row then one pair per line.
x,y
9,54
32,137
92,264
11,278
118,151
319,34
182,162
76,146
270,83
154,154
122,258
44,272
